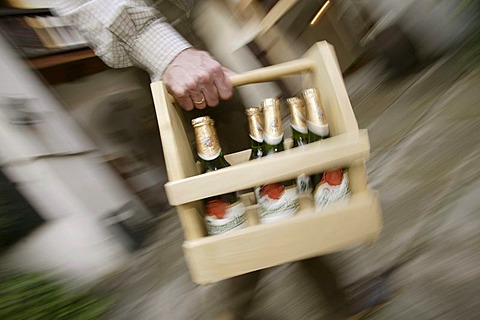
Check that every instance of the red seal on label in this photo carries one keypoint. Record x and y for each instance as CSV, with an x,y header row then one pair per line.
x,y
274,191
217,208
333,177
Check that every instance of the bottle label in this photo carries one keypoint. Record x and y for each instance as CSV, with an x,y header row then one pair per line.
x,y
277,202
222,217
257,138
273,139
209,156
304,184
301,129
321,130
333,187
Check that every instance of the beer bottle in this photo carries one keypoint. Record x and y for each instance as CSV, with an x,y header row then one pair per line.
x,y
255,124
316,120
300,137
224,212
333,184
297,122
277,200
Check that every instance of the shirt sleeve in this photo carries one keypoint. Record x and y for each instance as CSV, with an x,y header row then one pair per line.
x,y
125,33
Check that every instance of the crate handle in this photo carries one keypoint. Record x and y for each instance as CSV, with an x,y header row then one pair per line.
x,y
272,72
269,73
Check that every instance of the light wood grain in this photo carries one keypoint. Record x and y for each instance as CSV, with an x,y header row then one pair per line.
x,y
339,151
274,72
306,235
179,158
340,226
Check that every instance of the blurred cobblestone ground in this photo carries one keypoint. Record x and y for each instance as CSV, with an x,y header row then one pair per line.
x,y
424,131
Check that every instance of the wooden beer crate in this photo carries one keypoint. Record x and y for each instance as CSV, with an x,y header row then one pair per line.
x,y
310,233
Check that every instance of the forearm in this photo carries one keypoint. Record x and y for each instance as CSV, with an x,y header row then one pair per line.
x,y
125,33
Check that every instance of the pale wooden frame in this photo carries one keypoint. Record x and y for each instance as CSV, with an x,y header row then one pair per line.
x,y
310,233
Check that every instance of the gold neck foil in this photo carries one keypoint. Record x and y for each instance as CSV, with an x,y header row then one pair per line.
x,y
206,139
255,123
314,107
273,130
297,114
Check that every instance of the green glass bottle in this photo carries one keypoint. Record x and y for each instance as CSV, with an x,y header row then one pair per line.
x,y
255,124
224,212
316,119
273,129
299,137
276,200
316,122
331,185
297,121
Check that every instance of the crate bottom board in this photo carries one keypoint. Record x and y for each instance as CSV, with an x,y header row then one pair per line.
x,y
309,234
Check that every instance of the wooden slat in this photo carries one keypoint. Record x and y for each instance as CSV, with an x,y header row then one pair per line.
x,y
340,151
215,258
274,72
179,158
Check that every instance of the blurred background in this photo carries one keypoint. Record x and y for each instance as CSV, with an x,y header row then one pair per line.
x,y
82,202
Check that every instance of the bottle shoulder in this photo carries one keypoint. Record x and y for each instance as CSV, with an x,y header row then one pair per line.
x,y
215,164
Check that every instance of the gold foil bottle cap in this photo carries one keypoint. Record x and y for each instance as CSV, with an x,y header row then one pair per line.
x,y
273,130
255,123
297,114
316,119
253,111
200,121
310,92
206,139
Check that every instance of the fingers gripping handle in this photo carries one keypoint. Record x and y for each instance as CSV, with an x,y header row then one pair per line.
x,y
270,73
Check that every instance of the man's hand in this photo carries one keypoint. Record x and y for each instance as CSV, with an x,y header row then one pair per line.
x,y
196,80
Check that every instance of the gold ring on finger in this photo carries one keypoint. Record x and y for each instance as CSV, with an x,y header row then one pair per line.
x,y
199,102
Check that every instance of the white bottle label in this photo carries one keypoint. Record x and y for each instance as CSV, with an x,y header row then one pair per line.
x,y
223,217
277,202
333,187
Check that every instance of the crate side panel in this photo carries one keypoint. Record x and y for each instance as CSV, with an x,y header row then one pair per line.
x,y
179,159
178,154
338,151
357,175
213,259
238,157
191,218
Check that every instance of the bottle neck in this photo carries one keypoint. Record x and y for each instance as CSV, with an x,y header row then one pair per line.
x,y
257,149
272,148
214,164
299,139
312,137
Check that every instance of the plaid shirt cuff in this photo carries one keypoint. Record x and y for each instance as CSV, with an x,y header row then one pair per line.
x,y
156,47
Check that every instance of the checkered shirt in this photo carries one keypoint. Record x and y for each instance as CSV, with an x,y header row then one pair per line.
x,y
126,33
